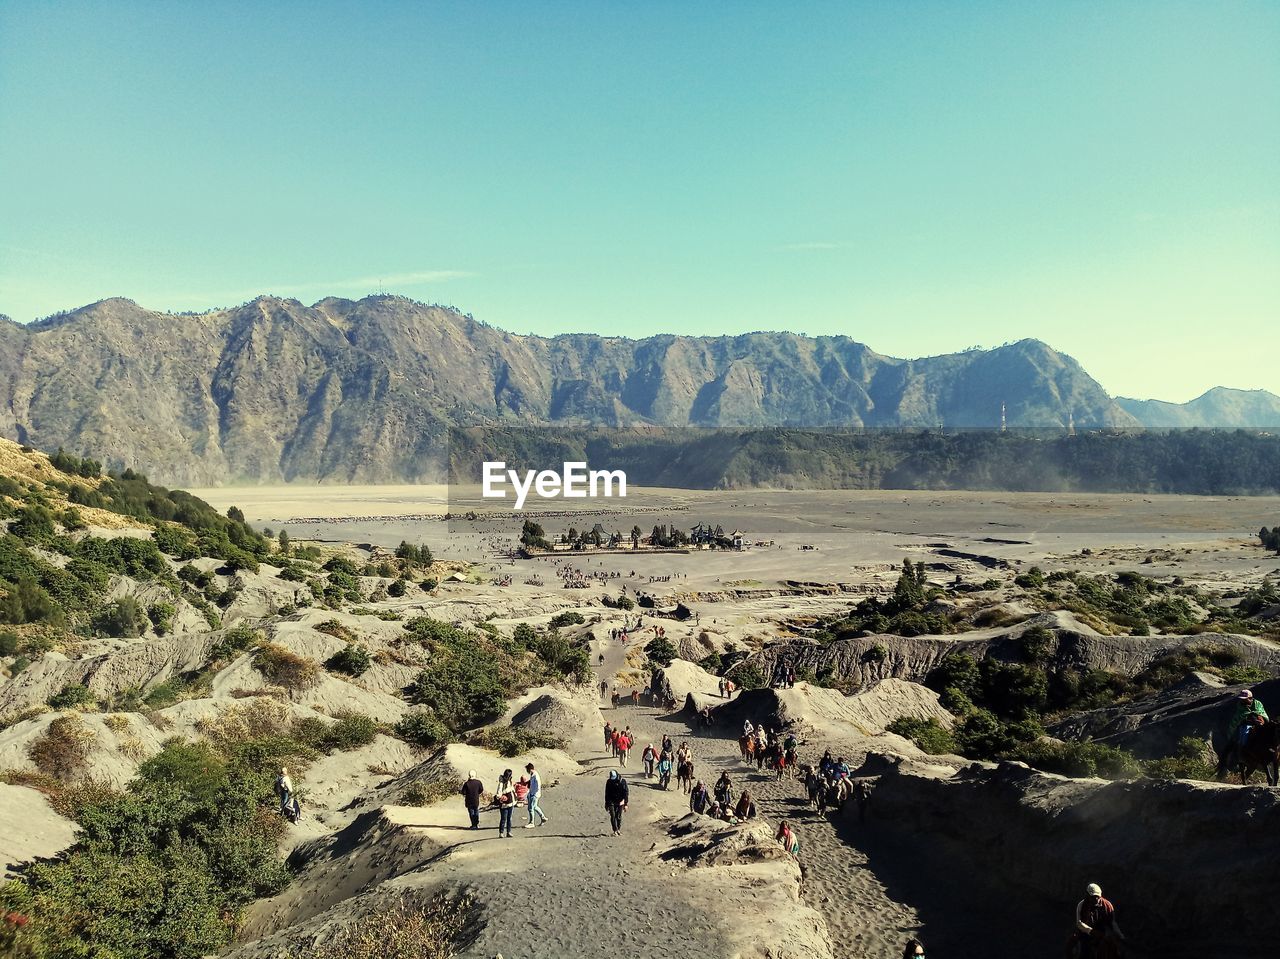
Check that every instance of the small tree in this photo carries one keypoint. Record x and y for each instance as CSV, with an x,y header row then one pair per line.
x,y
661,651
283,541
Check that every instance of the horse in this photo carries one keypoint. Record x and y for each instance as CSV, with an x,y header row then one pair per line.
x,y
1261,751
684,775
748,746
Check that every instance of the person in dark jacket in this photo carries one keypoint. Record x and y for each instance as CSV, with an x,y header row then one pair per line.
x,y
616,795
699,798
471,791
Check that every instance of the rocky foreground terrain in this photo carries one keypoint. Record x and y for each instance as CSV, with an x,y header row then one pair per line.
x,y
1043,729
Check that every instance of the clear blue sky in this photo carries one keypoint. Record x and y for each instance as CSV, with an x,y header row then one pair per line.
x,y
920,176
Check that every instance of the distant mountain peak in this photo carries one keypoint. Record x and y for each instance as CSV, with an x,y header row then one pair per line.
x,y
1221,406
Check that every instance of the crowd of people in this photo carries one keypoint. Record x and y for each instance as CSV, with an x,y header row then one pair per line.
x,y
827,783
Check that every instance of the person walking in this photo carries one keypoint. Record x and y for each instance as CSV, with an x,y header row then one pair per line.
x,y
284,789
534,799
624,746
505,797
616,794
471,791
664,771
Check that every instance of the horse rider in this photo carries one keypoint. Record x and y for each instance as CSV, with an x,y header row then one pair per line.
x,y
1249,712
1096,924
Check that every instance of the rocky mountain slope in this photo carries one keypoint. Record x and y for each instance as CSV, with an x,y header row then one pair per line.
x,y
365,390
1220,406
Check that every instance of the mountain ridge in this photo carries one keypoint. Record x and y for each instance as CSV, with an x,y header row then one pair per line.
x,y
1220,405
365,390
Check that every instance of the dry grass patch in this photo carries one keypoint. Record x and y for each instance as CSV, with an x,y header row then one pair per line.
x,y
283,667
407,928
62,750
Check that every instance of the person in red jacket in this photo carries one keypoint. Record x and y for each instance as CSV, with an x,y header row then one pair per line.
x,y
624,746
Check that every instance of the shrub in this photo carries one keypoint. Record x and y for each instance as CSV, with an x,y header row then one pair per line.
x,y
8,643
462,690
138,558
425,793
524,635
1031,579
331,627
161,616
176,541
660,651
423,728
875,654
397,588
1078,759
283,667
563,657
122,619
748,676
1193,759
567,618
429,584
928,734
234,641
982,735
1036,643
72,696
165,693
352,660
162,870
62,750
351,731
26,601
958,671
412,554
510,741
1012,690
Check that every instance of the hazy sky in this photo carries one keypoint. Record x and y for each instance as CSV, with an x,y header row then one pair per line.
x,y
920,176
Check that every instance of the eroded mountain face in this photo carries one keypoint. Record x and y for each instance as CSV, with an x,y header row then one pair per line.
x,y
365,390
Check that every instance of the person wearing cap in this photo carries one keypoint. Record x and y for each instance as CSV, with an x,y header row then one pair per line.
x,y
616,795
471,791
1096,922
1248,712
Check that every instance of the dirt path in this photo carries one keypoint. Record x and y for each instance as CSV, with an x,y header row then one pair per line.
x,y
877,887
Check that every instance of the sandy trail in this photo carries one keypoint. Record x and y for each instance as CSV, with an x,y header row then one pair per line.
x,y
534,885
877,886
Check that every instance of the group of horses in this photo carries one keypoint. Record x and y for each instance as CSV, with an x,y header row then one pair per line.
x,y
778,760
